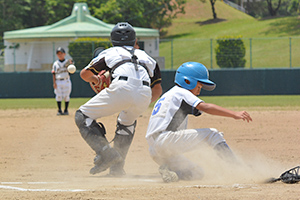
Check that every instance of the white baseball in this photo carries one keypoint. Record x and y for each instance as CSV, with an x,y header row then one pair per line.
x,y
71,69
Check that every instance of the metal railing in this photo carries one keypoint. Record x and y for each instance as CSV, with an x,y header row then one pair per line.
x,y
234,5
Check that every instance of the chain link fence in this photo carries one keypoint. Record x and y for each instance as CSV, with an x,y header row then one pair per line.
x,y
281,52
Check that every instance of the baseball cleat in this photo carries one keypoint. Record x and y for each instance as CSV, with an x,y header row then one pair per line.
x,y
59,113
117,170
66,112
167,175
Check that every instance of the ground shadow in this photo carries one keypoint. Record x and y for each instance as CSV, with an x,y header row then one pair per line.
x,y
283,26
177,36
210,21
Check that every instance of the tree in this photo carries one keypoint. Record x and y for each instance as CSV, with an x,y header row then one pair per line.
x,y
212,3
56,10
19,14
271,10
11,14
144,13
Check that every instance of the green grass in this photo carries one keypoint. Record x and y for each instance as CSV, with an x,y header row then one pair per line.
x,y
36,103
192,33
287,101
284,101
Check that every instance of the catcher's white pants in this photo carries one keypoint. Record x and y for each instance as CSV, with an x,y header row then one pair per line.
x,y
63,90
168,147
131,98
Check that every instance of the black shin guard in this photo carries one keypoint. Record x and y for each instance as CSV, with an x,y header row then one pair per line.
x,y
122,141
94,134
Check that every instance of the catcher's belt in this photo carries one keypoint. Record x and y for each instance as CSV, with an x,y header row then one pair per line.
x,y
125,78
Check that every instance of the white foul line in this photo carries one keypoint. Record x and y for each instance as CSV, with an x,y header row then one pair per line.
x,y
39,190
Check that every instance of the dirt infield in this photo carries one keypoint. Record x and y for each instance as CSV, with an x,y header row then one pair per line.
x,y
44,157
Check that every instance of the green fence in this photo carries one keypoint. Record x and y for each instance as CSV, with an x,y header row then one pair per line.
x,y
229,82
279,52
1,57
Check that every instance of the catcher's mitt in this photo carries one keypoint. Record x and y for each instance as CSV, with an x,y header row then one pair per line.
x,y
69,62
103,81
290,176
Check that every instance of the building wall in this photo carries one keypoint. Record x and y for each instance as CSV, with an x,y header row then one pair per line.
x,y
39,54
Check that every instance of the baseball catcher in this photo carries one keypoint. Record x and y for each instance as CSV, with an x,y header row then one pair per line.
x,y
126,80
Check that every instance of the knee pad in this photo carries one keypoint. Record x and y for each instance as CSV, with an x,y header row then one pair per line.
x,y
83,122
93,133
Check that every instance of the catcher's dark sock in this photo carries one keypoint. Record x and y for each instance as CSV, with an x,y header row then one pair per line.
x,y
59,106
66,106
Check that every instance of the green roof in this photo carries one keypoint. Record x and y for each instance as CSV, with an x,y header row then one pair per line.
x,y
79,24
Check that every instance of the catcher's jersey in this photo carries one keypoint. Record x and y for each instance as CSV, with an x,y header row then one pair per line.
x,y
108,58
60,70
170,113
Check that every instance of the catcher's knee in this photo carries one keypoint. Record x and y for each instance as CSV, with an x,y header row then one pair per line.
x,y
92,132
88,126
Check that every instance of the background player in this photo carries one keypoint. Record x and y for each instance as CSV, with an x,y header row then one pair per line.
x,y
135,83
167,134
61,80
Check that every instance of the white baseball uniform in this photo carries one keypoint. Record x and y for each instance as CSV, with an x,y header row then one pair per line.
x,y
167,134
129,92
63,82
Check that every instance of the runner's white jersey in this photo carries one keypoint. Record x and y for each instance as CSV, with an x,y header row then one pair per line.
x,y
114,55
170,113
60,70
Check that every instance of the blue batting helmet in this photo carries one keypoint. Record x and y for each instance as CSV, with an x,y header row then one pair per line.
x,y
193,72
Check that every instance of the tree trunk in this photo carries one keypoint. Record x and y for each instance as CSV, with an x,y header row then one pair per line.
x,y
272,11
212,2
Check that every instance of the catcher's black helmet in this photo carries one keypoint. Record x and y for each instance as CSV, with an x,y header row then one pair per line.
x,y
122,34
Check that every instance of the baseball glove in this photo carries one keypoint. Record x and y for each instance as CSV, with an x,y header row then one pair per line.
x,y
69,62
103,81
290,176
